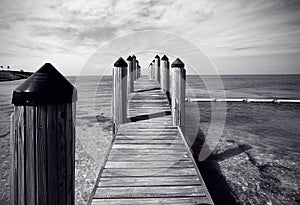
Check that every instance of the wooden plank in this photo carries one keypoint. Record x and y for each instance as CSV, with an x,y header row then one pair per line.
x,y
153,201
151,141
141,137
20,152
52,153
149,181
13,160
41,156
150,151
149,192
61,155
149,172
153,164
70,152
159,146
146,157
30,191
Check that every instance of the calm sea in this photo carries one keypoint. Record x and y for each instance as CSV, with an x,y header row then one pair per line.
x,y
275,128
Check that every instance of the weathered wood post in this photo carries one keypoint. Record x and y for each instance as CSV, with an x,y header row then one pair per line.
x,y
119,105
130,81
178,75
165,73
137,70
140,72
150,71
43,140
134,67
153,69
157,68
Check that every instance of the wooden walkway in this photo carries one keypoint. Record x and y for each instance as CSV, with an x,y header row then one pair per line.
x,y
149,161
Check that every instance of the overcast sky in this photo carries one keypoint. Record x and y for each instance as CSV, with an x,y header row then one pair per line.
x,y
239,36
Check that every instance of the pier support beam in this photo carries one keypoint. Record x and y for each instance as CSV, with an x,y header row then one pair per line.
x,y
178,74
130,79
134,67
43,140
165,74
157,68
119,105
151,71
137,70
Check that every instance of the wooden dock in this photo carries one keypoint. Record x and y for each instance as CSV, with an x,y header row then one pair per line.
x,y
150,161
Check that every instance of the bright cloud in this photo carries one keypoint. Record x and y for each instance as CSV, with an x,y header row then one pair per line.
x,y
67,32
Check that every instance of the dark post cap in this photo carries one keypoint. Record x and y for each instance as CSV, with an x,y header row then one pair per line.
x,y
46,86
157,57
150,63
164,58
120,63
133,56
177,64
153,61
129,58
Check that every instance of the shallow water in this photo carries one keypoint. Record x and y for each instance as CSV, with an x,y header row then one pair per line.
x,y
257,155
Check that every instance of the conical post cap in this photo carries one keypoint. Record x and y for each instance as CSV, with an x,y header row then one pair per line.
x,y
164,58
45,86
177,64
133,56
157,57
129,58
120,63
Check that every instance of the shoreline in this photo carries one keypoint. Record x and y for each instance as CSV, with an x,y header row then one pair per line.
x,y
10,75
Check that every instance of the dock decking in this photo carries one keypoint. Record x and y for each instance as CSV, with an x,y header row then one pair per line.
x,y
149,161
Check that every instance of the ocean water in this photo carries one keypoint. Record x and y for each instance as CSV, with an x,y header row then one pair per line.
x,y
255,159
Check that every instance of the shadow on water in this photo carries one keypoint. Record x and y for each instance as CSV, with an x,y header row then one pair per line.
x,y
211,171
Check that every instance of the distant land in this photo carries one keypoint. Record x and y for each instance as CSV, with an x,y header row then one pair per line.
x,y
9,75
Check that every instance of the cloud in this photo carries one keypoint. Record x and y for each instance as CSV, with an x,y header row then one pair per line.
x,y
77,27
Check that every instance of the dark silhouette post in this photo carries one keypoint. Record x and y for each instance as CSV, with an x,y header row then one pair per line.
x,y
43,140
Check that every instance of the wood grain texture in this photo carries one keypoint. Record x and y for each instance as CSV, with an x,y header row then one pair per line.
x,y
153,201
165,76
30,154
52,153
13,161
41,155
149,162
119,105
130,79
157,69
20,137
178,96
